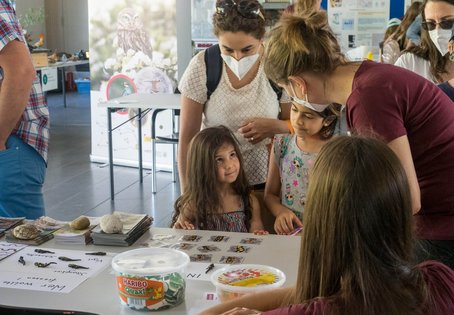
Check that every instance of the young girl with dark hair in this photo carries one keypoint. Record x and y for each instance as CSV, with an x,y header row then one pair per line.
x,y
217,195
291,159
357,244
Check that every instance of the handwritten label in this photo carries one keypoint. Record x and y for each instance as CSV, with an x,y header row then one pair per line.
x,y
57,277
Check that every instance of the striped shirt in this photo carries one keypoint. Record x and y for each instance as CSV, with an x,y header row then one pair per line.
x,y
33,126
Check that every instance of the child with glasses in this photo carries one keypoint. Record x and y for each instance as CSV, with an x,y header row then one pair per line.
x,y
244,100
430,59
291,159
217,195
356,253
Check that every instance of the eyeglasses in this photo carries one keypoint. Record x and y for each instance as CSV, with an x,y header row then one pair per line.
x,y
431,25
247,9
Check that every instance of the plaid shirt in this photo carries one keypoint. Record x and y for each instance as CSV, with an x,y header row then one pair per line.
x,y
33,126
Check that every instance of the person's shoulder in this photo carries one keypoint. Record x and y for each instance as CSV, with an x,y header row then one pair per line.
x,y
437,273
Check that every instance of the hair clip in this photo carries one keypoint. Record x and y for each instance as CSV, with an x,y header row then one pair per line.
x,y
96,253
74,266
44,265
21,260
68,259
43,251
209,268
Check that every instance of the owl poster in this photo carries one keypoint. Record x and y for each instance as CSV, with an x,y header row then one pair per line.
x,y
133,49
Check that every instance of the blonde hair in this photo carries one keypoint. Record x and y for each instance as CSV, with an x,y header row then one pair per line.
x,y
304,6
302,43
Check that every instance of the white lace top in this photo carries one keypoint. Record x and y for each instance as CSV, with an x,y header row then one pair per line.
x,y
230,107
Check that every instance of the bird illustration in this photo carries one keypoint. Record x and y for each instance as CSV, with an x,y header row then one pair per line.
x,y
130,33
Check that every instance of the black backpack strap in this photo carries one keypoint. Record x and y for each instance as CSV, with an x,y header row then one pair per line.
x,y
277,89
213,65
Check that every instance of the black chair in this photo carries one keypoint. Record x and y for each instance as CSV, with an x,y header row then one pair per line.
x,y
164,139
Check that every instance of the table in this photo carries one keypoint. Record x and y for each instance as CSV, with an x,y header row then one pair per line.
x,y
61,66
99,294
139,101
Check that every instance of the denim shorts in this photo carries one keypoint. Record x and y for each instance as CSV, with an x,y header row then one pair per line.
x,y
22,172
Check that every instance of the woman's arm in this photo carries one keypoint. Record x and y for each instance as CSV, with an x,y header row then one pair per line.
x,y
285,218
190,121
262,301
401,148
255,129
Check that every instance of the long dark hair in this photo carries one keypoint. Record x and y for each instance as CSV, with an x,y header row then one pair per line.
x,y
201,196
427,49
357,242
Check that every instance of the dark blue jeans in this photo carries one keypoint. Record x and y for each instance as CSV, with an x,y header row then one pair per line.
x,y
22,172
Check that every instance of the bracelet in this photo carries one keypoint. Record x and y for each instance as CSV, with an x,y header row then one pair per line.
x,y
290,127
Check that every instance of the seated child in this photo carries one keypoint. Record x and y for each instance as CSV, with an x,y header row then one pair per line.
x,y
217,195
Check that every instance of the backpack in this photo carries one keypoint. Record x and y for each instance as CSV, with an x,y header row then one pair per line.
x,y
213,66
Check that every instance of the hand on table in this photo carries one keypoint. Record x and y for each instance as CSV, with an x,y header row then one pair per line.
x,y
183,223
286,222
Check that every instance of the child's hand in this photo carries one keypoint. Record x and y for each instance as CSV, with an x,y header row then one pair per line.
x,y
183,223
285,223
260,232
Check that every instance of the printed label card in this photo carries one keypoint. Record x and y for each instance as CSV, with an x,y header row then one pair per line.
x,y
219,238
208,248
201,257
239,249
232,260
190,238
251,240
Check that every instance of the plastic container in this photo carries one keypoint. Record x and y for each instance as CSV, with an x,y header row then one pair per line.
x,y
151,279
237,280
83,86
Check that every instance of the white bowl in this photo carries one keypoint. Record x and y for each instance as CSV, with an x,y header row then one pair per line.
x,y
237,280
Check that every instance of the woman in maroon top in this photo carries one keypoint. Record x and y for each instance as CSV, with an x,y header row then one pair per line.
x,y
412,115
357,243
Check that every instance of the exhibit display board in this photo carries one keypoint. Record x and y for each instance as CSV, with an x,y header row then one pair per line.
x,y
359,24
133,49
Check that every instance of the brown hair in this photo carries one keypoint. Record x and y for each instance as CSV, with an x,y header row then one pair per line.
x,y
412,12
427,49
304,6
331,113
201,196
302,43
357,242
233,22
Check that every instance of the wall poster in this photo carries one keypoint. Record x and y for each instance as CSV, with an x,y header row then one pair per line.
x,y
359,24
133,48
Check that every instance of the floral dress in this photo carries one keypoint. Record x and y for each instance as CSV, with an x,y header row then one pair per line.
x,y
234,221
294,166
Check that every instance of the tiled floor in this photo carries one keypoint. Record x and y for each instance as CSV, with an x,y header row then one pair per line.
x,y
75,186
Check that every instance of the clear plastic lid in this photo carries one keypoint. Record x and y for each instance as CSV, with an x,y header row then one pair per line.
x,y
150,261
247,278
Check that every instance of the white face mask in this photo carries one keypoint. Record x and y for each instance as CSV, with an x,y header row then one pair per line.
x,y
242,66
440,38
315,107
